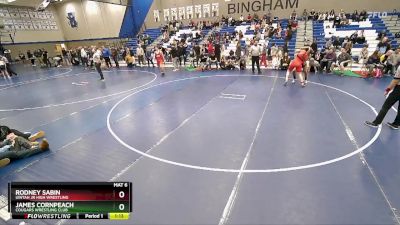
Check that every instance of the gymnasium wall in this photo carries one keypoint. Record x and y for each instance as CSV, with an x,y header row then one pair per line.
x,y
281,8
38,35
95,19
98,23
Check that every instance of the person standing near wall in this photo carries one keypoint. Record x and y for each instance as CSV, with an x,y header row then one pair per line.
x,y
84,58
64,56
140,55
31,57
114,55
97,63
106,56
149,56
45,58
8,66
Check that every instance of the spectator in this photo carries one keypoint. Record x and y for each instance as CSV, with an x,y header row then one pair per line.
x,y
289,34
222,64
212,59
293,16
285,61
114,56
196,49
331,16
328,59
363,55
231,59
328,43
175,57
84,57
343,59
32,57
391,62
140,55
64,56
361,37
3,67
314,46
373,61
353,37
203,61
363,15
149,56
312,14
383,46
130,60
106,56
355,17
274,55
238,51
305,14
336,22
7,63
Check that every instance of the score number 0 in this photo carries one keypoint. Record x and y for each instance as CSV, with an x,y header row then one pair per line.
x,y
121,195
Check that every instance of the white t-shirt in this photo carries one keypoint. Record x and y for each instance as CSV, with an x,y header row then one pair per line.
x,y
97,56
397,75
83,53
255,50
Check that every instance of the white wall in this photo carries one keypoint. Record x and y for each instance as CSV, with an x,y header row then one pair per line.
x,y
38,35
95,20
283,12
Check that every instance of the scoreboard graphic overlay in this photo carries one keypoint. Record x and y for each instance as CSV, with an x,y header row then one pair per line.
x,y
70,200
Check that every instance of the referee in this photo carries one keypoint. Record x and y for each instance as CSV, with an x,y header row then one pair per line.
x,y
393,97
255,52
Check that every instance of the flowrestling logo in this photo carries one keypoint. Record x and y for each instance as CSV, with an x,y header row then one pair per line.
x,y
377,14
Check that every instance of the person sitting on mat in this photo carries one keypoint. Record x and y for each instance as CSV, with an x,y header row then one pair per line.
x,y
342,60
16,147
4,131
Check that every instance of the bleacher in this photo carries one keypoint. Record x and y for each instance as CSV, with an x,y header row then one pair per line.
x,y
248,33
154,33
189,33
372,27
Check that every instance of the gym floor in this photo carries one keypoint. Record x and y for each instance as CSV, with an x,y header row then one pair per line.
x,y
219,147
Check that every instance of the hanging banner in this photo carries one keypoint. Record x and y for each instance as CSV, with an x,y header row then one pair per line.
x,y
189,12
167,17
215,9
197,11
181,12
174,13
206,10
156,15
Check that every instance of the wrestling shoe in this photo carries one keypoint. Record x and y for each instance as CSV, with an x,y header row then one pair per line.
x,y
285,84
4,162
44,145
371,124
36,136
293,81
393,126
162,74
303,84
